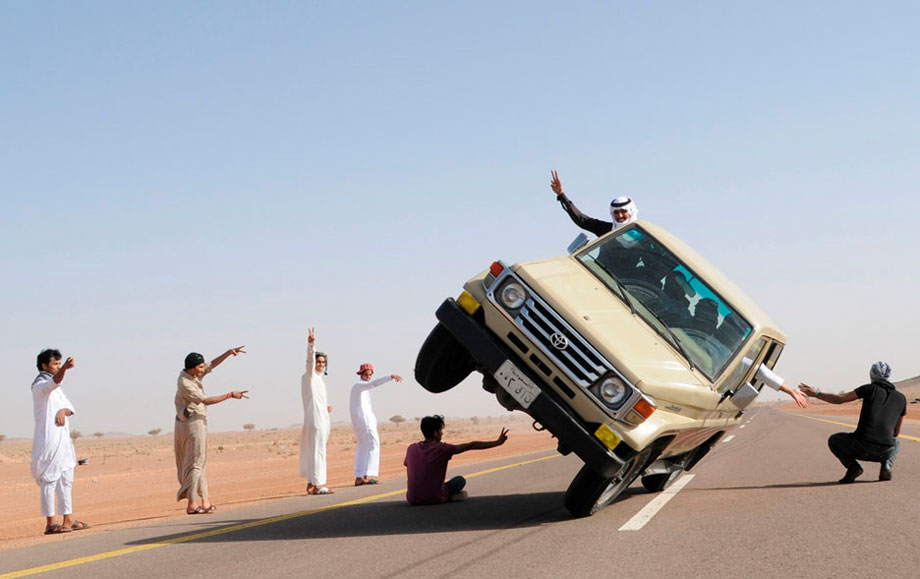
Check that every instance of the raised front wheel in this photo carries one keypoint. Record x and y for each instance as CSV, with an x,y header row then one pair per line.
x,y
442,362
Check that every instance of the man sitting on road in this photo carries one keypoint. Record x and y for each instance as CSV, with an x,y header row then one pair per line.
x,y
876,435
426,464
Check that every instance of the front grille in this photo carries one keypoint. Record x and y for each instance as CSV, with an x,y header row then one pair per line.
x,y
578,359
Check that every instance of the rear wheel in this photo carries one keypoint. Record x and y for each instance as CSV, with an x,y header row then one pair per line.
x,y
590,492
442,362
654,483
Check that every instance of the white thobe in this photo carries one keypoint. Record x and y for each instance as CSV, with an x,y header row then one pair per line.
x,y
53,454
315,432
367,449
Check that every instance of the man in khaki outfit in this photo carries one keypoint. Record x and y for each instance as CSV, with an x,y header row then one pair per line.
x,y
191,432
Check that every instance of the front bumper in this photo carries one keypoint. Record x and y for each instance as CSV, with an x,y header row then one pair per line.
x,y
547,409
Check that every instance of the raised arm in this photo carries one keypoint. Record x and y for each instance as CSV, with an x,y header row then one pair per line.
x,y
311,354
231,352
67,365
596,226
826,396
483,444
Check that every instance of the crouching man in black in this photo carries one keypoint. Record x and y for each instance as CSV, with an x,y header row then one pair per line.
x,y
876,435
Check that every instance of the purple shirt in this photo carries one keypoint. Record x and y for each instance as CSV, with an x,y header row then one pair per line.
x,y
426,463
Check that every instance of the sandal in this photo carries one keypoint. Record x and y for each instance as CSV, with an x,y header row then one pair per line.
x,y
371,481
79,526
212,508
323,491
197,511
56,529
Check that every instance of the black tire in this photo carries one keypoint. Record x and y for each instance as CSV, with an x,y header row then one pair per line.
x,y
590,492
655,483
442,362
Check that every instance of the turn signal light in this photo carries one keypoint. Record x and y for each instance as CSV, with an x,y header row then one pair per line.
x,y
468,303
643,408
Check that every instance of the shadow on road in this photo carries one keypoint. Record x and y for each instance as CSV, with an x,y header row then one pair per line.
x,y
396,518
779,486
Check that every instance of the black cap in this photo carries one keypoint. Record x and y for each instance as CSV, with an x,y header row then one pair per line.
x,y
193,360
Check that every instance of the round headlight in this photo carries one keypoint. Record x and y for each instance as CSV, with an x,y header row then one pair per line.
x,y
513,295
613,391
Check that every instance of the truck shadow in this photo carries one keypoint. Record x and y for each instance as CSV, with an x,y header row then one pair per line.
x,y
388,518
778,486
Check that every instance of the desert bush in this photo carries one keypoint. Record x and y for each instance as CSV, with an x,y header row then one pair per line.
x,y
75,434
98,434
155,431
397,419
249,427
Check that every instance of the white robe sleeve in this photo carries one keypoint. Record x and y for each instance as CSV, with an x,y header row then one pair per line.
x,y
362,386
769,377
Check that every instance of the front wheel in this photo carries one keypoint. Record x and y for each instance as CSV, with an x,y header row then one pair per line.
x,y
590,492
442,362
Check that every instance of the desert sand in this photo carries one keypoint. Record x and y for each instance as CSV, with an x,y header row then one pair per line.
x,y
131,481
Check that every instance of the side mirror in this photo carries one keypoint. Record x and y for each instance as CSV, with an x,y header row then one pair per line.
x,y
578,243
743,396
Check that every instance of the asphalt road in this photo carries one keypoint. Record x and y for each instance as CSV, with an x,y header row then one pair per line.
x,y
764,503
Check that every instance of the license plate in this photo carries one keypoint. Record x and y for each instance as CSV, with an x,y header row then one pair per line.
x,y
517,384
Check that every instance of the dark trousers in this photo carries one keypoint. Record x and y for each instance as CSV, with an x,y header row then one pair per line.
x,y
455,485
848,449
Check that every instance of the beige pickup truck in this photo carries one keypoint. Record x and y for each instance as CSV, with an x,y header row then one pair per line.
x,y
633,351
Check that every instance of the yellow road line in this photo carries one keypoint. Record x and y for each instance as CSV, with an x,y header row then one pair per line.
x,y
904,436
234,528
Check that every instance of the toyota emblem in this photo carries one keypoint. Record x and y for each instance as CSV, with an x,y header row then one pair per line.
x,y
559,341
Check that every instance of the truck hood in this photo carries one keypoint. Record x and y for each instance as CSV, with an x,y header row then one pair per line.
x,y
631,345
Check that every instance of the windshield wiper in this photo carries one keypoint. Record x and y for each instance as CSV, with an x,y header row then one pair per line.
x,y
677,343
625,294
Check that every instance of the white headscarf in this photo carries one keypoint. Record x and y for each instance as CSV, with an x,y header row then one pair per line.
x,y
879,371
627,204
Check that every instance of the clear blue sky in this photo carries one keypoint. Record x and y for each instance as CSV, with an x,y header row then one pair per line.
x,y
194,176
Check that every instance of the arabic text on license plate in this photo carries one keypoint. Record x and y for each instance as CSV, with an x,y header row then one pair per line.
x,y
517,384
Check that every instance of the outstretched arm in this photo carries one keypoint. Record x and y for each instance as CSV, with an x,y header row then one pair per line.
x,y
483,444
378,382
237,394
796,395
772,380
231,352
826,396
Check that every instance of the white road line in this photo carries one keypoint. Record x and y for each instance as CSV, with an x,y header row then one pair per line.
x,y
728,438
650,510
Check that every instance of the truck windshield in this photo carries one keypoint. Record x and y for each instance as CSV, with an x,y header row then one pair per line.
x,y
670,297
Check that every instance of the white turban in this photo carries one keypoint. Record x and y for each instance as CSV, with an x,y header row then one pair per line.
x,y
623,203
879,371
